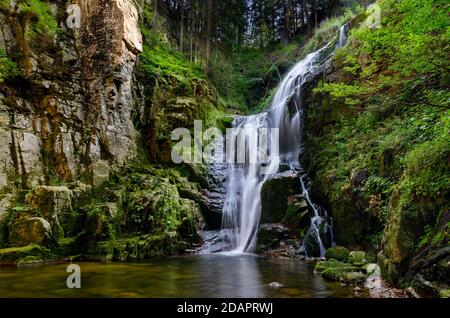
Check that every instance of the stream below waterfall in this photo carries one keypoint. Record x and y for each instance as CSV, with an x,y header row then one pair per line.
x,y
212,275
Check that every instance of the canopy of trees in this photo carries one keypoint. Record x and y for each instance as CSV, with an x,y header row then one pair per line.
x,y
200,26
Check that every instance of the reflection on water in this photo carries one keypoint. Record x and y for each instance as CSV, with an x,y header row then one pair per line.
x,y
213,275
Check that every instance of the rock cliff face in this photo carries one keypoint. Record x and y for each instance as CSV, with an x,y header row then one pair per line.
x,y
72,107
72,168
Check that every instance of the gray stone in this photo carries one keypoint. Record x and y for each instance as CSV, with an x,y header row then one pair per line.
x,y
100,173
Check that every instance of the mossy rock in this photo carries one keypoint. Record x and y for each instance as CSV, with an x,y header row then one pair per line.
x,y
25,230
270,235
297,217
139,247
357,258
54,204
100,223
275,196
70,246
354,277
323,265
339,253
389,270
23,255
346,273
444,293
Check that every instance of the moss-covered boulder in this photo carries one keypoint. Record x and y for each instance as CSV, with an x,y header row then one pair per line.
x,y
297,217
24,255
276,195
323,265
389,270
353,277
138,247
101,221
29,230
339,253
54,204
155,206
340,274
357,258
339,271
444,293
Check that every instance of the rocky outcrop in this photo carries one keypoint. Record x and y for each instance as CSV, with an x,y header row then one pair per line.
x,y
76,127
73,104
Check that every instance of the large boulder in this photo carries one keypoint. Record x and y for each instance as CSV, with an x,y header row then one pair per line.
x,y
270,236
339,253
29,230
276,195
297,217
24,255
54,204
100,172
339,271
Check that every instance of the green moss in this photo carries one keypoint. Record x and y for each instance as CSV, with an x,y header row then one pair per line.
x,y
160,60
387,107
7,67
139,247
339,253
42,20
445,293
4,4
342,273
21,255
332,263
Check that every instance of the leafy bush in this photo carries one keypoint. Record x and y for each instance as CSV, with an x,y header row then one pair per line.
x,y
7,67
43,21
397,75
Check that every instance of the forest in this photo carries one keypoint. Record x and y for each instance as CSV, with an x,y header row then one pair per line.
x,y
356,201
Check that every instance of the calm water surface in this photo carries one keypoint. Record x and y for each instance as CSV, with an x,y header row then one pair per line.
x,y
210,275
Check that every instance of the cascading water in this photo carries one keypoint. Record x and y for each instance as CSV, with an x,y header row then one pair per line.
x,y
242,204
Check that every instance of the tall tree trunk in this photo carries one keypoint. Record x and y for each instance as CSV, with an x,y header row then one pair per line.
x,y
155,9
182,5
208,35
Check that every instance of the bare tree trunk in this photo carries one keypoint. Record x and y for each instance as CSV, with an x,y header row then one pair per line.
x,y
208,35
155,9
191,30
182,5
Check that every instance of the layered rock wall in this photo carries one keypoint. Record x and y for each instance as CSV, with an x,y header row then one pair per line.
x,y
72,106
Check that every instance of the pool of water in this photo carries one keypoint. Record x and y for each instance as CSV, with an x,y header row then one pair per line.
x,y
212,275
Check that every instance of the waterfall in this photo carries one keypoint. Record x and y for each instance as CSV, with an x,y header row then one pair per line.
x,y
342,35
242,203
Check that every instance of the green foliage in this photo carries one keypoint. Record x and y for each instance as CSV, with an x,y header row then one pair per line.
x,y
348,94
433,237
247,77
42,20
159,59
7,67
4,4
328,30
397,75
